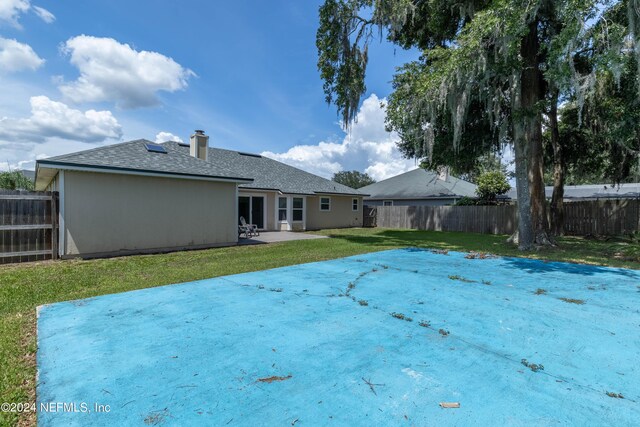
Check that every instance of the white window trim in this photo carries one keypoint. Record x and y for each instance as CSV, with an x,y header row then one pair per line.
x,y
355,199
278,208
302,209
320,203
289,222
387,201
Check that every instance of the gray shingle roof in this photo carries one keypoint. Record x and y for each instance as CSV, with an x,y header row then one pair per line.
x,y
133,156
269,174
259,172
419,184
596,191
28,174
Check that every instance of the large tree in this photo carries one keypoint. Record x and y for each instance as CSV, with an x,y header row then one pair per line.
x,y
353,179
511,59
594,135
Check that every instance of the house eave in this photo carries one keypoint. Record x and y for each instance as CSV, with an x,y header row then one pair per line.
x,y
414,198
328,193
131,171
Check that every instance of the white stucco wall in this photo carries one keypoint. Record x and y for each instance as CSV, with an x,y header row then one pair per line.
x,y
341,214
111,213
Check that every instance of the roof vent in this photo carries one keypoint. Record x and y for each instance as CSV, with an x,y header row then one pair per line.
x,y
250,154
183,144
155,148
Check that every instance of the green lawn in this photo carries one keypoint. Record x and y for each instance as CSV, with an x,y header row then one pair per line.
x,y
24,287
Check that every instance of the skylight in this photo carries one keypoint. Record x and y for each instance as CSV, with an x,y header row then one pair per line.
x,y
155,148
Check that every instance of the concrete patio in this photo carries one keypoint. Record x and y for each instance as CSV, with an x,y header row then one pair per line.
x,y
278,236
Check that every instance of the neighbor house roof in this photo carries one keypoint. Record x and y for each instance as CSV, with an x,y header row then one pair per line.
x,y
419,184
596,191
252,170
28,174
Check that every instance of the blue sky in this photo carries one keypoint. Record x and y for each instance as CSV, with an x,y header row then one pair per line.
x,y
77,74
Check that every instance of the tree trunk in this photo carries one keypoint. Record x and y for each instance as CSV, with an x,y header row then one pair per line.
x,y
557,200
532,95
524,235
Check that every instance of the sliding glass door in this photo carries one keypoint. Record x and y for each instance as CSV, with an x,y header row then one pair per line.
x,y
252,208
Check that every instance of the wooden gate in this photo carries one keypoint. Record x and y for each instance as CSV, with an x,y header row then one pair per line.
x,y
28,226
370,218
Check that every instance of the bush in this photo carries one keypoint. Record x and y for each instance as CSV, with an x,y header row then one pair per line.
x,y
15,181
466,201
491,185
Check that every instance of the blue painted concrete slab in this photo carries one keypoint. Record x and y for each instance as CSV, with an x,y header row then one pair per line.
x,y
318,344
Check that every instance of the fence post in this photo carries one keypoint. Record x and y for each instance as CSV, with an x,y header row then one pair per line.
x,y
54,225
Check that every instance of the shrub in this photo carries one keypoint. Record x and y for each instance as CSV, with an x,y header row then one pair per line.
x,y
491,185
466,201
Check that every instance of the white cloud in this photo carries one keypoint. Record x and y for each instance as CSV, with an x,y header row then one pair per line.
x,y
22,164
11,10
368,147
44,14
112,71
16,56
51,119
167,136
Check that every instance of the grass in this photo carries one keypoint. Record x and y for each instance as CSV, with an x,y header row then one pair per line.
x,y
23,287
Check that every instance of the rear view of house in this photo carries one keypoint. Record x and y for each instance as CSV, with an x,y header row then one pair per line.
x,y
138,197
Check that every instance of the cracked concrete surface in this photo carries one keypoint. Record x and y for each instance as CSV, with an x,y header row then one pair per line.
x,y
195,353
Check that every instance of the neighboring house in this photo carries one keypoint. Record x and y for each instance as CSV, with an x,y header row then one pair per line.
x,y
418,187
28,174
139,197
592,192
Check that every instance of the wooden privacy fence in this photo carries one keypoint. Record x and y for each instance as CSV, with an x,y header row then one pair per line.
x,y
602,217
472,219
592,217
28,225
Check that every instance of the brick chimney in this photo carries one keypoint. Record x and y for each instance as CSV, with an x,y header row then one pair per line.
x,y
199,145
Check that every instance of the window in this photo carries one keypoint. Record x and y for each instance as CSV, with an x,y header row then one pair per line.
x,y
387,203
298,207
355,204
282,208
325,203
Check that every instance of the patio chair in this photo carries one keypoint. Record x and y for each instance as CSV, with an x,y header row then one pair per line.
x,y
244,230
252,229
